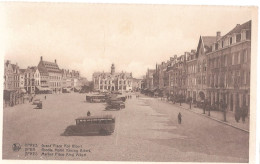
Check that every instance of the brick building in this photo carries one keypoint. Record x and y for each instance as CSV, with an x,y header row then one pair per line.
x,y
229,68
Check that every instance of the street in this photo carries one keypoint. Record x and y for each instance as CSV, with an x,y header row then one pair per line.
x,y
146,130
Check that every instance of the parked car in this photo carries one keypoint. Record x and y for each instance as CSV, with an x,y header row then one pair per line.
x,y
116,105
36,101
39,105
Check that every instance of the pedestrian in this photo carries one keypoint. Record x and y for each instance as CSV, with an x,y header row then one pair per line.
x,y
237,114
45,97
88,114
179,118
244,113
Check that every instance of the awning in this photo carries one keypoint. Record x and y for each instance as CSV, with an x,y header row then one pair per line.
x,y
77,88
39,88
23,90
42,89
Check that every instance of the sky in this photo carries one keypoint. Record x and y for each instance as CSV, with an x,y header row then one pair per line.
x,y
90,37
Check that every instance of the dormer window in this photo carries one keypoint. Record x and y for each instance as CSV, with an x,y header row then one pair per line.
x,y
216,46
234,38
243,34
248,34
238,37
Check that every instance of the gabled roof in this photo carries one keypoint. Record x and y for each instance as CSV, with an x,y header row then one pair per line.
x,y
22,70
207,41
46,67
238,28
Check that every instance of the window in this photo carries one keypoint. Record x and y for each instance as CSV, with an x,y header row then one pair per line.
x,y
230,40
225,60
238,77
238,37
248,34
245,56
245,74
238,58
233,59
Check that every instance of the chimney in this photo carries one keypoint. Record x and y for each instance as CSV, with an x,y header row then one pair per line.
x,y
41,58
55,61
218,35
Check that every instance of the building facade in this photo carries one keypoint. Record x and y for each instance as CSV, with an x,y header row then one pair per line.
x,y
112,81
203,48
219,69
229,68
50,75
29,80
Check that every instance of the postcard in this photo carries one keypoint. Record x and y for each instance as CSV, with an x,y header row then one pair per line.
x,y
129,82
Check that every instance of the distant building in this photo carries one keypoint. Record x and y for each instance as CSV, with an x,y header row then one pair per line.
x,y
13,91
112,81
8,76
29,80
191,75
50,75
137,84
149,79
197,68
22,78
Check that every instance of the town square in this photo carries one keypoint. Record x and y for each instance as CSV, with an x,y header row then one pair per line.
x,y
148,83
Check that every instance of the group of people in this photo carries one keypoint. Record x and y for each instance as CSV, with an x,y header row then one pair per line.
x,y
241,112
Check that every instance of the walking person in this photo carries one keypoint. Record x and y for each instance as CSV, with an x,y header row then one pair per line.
x,y
179,118
45,97
88,114
237,114
244,113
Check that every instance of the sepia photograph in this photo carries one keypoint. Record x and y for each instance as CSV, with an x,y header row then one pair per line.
x,y
128,82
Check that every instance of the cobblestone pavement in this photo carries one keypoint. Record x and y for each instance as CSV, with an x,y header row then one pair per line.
x,y
146,130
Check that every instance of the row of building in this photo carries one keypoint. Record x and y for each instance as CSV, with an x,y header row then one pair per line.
x,y
115,81
218,69
47,77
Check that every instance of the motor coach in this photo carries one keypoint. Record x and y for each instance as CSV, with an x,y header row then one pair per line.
x,y
103,125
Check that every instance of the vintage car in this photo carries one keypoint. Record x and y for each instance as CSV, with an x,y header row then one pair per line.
x,y
116,98
115,105
89,125
36,101
39,105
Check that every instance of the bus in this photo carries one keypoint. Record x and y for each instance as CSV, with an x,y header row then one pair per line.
x,y
102,125
95,98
